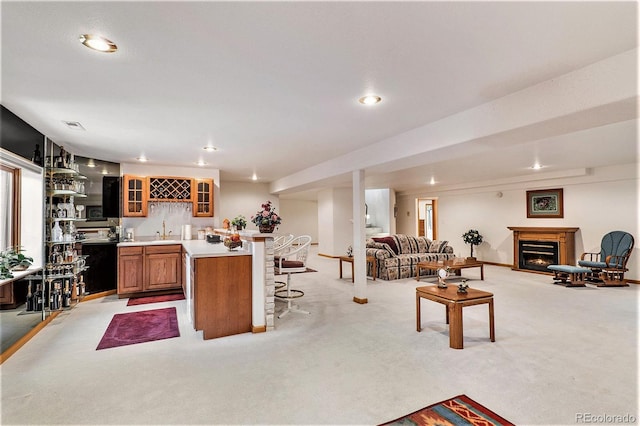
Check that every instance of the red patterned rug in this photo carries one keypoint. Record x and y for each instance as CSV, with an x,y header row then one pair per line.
x,y
155,299
460,410
140,327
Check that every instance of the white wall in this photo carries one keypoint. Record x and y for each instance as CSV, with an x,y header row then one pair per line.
x,y
604,200
335,221
380,208
300,217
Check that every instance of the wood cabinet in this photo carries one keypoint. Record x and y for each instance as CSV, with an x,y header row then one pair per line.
x,y
203,198
135,196
222,295
138,191
130,269
149,268
163,267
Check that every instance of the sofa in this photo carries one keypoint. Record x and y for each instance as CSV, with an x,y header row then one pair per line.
x,y
397,255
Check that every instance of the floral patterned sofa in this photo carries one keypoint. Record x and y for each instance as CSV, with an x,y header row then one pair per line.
x,y
397,255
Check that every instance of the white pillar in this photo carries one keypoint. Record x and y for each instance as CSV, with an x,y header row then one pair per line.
x,y
359,237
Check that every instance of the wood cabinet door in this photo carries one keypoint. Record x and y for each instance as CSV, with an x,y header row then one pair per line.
x,y
203,198
163,271
130,272
135,196
6,293
222,298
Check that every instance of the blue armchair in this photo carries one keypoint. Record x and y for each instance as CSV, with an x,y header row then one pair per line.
x,y
609,265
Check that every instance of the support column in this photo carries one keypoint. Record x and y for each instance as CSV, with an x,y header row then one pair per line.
x,y
359,237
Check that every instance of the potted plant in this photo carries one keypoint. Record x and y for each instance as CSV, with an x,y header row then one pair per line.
x,y
266,219
240,222
472,237
11,259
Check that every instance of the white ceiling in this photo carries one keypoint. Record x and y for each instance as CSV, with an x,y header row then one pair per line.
x,y
274,85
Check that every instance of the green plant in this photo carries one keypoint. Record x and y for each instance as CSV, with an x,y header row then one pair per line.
x,y
472,237
239,221
12,258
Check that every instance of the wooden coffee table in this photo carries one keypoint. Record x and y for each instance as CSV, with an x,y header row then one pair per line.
x,y
454,302
370,259
455,266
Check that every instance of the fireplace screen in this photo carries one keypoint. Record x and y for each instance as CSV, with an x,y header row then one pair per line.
x,y
537,255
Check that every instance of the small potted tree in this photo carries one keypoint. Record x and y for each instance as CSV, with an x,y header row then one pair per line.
x,y
240,222
474,238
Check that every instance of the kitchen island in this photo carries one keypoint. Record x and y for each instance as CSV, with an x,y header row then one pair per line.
x,y
225,290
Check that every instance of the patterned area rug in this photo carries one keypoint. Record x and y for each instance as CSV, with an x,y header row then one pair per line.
x,y
140,327
460,410
154,299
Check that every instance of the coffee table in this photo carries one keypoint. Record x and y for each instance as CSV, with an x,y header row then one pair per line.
x,y
370,259
454,302
453,265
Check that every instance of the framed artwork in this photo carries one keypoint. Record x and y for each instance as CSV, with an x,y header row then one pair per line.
x,y
545,203
94,213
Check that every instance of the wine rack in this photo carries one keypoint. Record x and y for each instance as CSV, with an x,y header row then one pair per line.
x,y
169,189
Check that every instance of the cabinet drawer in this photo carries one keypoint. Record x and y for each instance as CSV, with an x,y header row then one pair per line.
x,y
128,251
164,248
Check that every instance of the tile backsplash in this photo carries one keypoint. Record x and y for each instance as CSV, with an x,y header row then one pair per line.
x,y
174,214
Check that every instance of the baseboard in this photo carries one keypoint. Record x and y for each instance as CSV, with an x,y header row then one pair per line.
x,y
330,256
24,339
258,328
360,301
98,295
505,265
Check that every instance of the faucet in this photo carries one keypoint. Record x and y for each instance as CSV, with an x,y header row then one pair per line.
x,y
164,235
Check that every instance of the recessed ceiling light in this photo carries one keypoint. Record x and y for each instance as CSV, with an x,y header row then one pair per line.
x,y
210,148
98,43
73,125
142,159
537,166
201,163
370,100
91,163
432,181
254,177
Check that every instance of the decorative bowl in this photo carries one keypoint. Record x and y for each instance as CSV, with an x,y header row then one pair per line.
x,y
232,245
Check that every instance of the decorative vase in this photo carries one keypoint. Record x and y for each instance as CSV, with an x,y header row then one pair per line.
x,y
266,229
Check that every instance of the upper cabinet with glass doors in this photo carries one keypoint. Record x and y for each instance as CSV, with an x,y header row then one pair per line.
x,y
135,196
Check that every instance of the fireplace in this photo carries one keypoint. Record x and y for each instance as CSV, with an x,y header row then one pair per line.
x,y
537,255
536,248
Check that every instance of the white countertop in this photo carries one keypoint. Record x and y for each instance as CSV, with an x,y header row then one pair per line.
x,y
195,248
17,275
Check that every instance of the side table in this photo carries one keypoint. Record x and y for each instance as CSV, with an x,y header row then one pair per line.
x,y
370,260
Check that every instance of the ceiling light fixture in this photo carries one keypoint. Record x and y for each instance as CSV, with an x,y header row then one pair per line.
x,y
91,163
536,166
254,177
432,181
210,148
370,100
142,159
98,43
201,163
105,172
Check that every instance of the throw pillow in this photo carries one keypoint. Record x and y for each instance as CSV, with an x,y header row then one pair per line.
x,y
437,246
387,240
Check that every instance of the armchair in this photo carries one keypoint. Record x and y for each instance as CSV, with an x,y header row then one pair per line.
x,y
609,265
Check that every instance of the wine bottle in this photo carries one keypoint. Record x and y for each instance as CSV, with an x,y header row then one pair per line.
x,y
30,300
37,156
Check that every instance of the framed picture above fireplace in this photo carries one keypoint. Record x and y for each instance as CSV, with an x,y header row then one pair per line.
x,y
545,203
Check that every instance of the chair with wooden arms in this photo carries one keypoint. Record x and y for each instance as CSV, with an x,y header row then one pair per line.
x,y
609,265
289,261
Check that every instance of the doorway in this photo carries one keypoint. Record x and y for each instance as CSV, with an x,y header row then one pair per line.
x,y
427,214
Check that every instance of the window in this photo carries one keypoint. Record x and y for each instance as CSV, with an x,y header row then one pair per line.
x,y
10,207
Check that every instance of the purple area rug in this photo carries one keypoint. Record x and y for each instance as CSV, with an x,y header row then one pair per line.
x,y
155,299
140,327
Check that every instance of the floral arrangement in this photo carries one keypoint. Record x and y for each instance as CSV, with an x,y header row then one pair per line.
x,y
267,216
240,222
472,237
